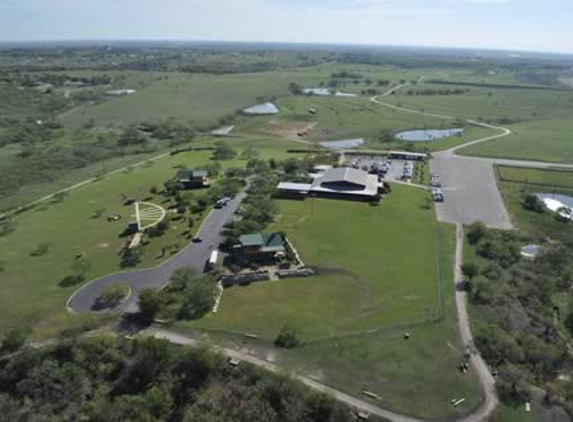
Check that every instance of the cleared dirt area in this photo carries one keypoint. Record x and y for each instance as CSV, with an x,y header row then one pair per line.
x,y
288,129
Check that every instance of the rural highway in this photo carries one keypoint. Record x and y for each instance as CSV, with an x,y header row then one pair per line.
x,y
193,256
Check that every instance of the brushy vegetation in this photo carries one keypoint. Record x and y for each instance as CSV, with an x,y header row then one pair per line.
x,y
522,313
104,379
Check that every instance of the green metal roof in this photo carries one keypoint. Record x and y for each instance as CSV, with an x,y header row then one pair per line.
x,y
188,175
267,242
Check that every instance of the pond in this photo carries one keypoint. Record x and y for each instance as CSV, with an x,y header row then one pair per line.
x,y
427,135
326,92
261,109
531,251
556,202
346,143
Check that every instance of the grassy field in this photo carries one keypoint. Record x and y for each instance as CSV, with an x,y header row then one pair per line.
x,y
535,225
546,139
31,295
366,280
417,376
528,176
346,118
542,119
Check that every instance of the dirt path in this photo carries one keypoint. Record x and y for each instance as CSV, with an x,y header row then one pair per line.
x,y
315,385
486,379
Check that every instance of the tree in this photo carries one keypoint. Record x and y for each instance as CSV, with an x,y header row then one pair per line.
x,y
199,299
532,203
294,88
111,296
470,270
476,232
223,151
287,338
14,340
150,303
386,135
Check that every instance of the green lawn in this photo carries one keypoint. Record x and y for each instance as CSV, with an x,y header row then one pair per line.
x,y
363,255
388,255
31,295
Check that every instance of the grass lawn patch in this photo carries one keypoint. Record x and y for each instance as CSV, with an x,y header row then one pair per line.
x,y
364,256
417,376
81,240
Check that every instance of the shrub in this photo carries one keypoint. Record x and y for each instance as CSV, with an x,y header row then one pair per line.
x,y
532,203
476,232
287,338
111,296
14,340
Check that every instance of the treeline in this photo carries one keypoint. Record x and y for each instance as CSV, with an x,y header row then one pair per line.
x,y
56,79
42,158
102,378
523,329
429,91
497,86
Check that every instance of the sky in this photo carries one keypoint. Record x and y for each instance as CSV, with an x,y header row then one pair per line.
x,y
536,25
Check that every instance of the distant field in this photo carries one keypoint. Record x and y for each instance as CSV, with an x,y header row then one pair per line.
x,y
542,121
544,140
528,176
344,118
190,98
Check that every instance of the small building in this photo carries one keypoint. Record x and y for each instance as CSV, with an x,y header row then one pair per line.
x,y
193,179
270,244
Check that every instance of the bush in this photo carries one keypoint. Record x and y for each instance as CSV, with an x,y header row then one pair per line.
x,y
150,303
223,152
532,203
41,249
71,280
14,340
199,299
111,296
287,338
476,232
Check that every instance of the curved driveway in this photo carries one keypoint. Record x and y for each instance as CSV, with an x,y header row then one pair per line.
x,y
194,256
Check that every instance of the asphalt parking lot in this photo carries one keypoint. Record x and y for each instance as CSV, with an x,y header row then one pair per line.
x,y
471,192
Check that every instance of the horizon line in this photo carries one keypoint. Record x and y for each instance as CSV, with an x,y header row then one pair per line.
x,y
315,43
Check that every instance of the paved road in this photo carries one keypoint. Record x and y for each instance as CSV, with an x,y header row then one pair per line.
x,y
194,256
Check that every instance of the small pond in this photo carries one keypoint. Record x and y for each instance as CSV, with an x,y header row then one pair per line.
x,y
261,109
326,92
347,143
531,251
427,135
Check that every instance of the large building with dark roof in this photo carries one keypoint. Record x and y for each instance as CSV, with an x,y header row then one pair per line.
x,y
337,183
